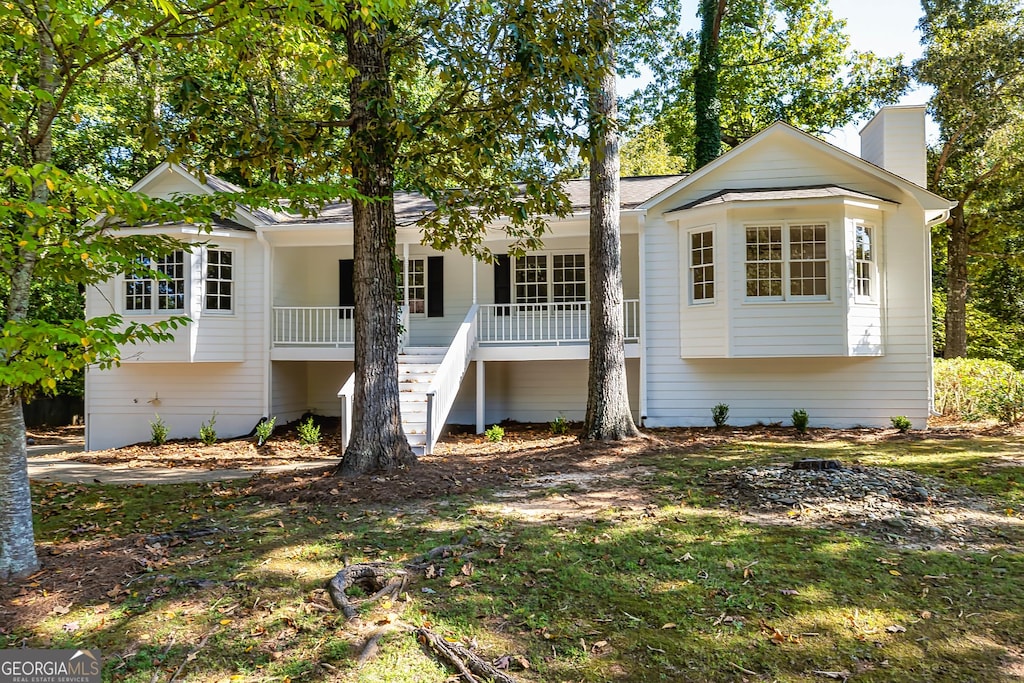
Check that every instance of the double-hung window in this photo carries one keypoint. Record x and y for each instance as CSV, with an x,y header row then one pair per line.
x,y
787,261
864,256
550,278
416,274
145,293
702,267
220,269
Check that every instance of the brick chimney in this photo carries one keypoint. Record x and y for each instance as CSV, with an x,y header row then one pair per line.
x,y
894,140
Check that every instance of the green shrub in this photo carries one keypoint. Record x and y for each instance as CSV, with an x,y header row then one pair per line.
x,y
720,413
800,420
973,389
495,433
309,432
558,426
207,433
264,429
158,432
901,422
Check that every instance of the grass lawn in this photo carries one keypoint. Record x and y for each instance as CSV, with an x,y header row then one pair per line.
x,y
634,572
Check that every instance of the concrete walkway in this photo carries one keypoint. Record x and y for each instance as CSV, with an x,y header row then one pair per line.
x,y
42,468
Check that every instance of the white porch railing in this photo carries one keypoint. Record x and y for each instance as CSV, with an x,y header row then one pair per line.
x,y
548,323
445,386
313,326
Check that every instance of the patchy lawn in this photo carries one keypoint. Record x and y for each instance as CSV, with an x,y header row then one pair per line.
x,y
695,555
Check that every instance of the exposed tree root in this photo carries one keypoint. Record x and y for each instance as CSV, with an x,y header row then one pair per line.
x,y
387,578
378,578
465,661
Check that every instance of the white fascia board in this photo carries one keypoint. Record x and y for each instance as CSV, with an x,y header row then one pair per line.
x,y
880,205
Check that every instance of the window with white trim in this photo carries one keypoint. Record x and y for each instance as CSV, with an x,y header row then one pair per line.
x,y
702,266
145,294
416,272
864,257
550,278
220,269
787,261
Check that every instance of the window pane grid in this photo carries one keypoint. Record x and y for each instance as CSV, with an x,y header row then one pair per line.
x,y
139,287
808,269
417,274
702,269
764,261
531,277
865,257
219,278
569,278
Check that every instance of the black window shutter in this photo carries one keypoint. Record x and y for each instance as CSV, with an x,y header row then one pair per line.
x,y
346,292
435,286
503,279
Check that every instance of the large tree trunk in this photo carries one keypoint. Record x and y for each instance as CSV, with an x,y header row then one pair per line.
x,y
707,127
608,415
956,285
378,442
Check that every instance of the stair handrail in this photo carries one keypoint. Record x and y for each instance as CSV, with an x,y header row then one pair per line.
x,y
345,394
444,387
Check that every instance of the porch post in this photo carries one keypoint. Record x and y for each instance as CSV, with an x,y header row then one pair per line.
x,y
480,387
641,248
474,281
405,273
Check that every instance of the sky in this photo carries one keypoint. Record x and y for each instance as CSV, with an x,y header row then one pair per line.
x,y
885,27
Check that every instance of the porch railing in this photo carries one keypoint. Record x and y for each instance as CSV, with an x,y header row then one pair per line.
x,y
313,326
547,323
445,386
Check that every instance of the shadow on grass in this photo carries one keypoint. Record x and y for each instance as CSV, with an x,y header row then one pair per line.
x,y
633,593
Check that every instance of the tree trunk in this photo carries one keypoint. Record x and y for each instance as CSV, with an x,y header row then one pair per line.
x,y
17,541
956,285
378,442
608,415
17,538
708,129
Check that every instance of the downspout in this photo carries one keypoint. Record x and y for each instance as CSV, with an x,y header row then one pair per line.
x,y
642,256
268,314
942,218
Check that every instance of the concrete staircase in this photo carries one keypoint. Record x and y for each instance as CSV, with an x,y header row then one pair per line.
x,y
417,367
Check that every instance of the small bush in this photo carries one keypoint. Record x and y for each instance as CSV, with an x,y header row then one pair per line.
x,y
558,426
158,432
720,414
901,422
264,429
207,433
800,420
309,432
974,389
495,433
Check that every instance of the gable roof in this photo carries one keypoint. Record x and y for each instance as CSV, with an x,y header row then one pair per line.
x,y
928,200
779,193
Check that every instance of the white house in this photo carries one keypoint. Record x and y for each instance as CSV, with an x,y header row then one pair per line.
x,y
786,274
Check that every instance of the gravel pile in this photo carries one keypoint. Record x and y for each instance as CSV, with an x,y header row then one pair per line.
x,y
895,502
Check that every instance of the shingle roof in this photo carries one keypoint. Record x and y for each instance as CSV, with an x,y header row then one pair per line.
x,y
779,193
410,206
